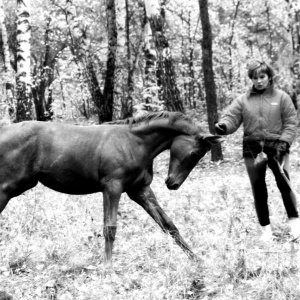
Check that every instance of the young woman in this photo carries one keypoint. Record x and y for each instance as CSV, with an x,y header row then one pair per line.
x,y
270,121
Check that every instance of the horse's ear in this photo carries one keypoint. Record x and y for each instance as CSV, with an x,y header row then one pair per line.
x,y
211,139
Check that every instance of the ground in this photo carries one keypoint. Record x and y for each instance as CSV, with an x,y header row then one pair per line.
x,y
51,244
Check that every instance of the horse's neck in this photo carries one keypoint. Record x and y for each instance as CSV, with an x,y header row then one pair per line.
x,y
157,138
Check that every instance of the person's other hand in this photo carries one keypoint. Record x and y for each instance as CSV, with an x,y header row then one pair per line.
x,y
282,148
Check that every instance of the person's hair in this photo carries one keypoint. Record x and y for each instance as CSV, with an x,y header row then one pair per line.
x,y
255,67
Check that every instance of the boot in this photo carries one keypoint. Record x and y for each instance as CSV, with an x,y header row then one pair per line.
x,y
267,234
294,224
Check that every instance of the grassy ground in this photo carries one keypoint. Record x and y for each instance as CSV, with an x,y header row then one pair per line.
x,y
52,243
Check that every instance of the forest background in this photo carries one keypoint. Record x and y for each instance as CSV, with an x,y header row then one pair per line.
x,y
87,62
102,60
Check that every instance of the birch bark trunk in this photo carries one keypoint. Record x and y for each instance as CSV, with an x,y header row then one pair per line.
x,y
23,80
10,108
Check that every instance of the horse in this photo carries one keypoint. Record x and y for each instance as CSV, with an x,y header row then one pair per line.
x,y
112,158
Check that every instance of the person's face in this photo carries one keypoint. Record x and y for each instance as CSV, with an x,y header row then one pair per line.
x,y
261,81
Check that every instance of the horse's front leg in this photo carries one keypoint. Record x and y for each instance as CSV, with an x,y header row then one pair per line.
x,y
146,198
111,198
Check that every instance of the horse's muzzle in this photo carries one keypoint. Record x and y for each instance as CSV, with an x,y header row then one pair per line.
x,y
171,185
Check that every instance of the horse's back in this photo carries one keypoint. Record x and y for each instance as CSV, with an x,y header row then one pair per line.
x,y
68,158
17,136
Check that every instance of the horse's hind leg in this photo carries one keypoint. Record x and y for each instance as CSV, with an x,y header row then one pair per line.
x,y
111,198
146,198
14,188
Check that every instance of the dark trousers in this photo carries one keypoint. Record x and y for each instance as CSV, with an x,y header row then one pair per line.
x,y
257,176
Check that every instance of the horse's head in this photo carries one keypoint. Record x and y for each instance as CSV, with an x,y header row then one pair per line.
x,y
185,153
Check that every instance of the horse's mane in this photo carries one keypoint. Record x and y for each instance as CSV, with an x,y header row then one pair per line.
x,y
189,127
147,117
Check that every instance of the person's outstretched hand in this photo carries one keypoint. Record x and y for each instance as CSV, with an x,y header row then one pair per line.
x,y
220,128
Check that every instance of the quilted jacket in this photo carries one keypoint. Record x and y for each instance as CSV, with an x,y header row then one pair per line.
x,y
267,116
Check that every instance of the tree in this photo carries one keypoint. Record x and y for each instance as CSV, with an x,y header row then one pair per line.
x,y
23,80
113,101
127,104
240,30
209,81
106,111
80,46
9,76
165,71
294,30
190,62
120,95
43,71
231,37
187,64
294,25
150,93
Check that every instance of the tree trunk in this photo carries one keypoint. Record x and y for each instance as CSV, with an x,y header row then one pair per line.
x,y
8,72
106,112
270,32
43,75
209,81
231,37
166,77
23,82
127,102
150,93
191,72
294,27
294,30
93,84
120,97
43,102
80,49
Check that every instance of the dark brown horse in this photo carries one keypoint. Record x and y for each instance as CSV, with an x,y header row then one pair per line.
x,y
113,158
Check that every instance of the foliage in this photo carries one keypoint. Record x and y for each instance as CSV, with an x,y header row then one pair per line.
x,y
53,242
241,29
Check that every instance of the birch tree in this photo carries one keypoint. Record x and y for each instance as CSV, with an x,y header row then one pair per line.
x,y
127,107
8,71
23,81
120,94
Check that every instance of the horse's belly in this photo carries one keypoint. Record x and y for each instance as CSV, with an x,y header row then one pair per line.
x,y
72,187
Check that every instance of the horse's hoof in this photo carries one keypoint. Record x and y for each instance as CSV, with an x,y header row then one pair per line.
x,y
195,258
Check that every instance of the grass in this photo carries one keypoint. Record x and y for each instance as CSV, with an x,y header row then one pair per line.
x,y
52,243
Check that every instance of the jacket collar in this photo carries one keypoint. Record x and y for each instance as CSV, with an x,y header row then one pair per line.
x,y
269,91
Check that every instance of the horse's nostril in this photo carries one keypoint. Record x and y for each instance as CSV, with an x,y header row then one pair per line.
x,y
170,182
174,187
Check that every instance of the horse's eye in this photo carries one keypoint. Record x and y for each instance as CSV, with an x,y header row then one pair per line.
x,y
194,155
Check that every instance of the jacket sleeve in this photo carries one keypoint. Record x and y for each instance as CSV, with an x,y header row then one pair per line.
x,y
233,116
289,119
